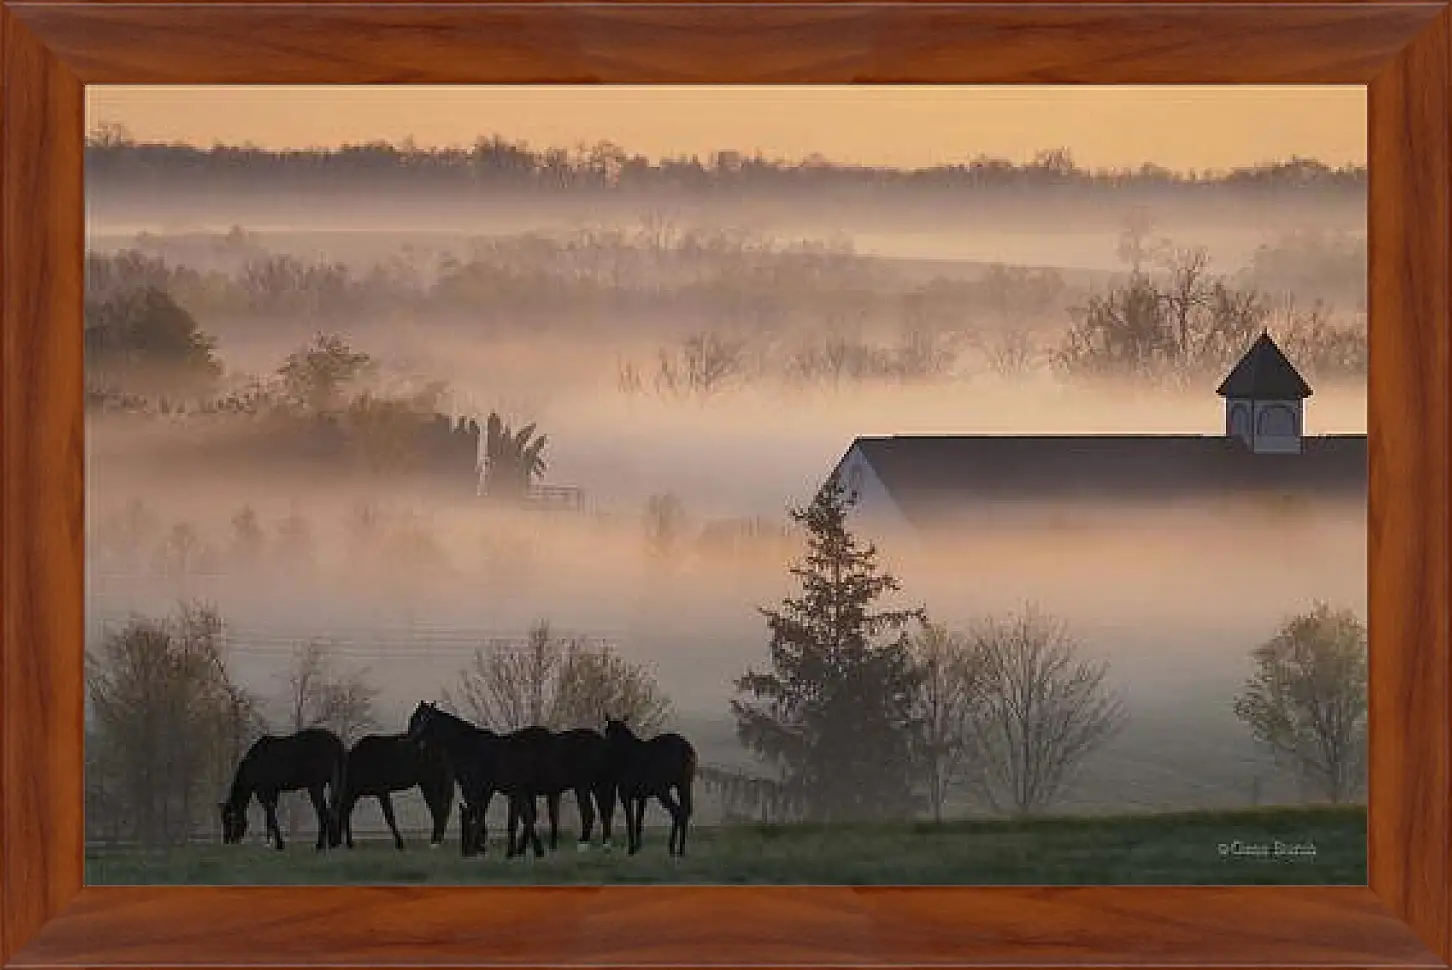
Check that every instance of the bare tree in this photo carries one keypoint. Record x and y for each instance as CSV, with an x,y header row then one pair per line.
x,y
923,353
1172,326
1307,700
596,683
183,552
318,694
702,366
1320,346
1009,352
628,379
1136,243
1042,709
167,724
1187,293
557,683
247,536
947,693
509,685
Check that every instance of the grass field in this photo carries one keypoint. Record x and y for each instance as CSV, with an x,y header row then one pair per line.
x,y
1192,848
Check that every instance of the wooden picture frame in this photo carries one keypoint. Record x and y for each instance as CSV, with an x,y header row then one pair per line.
x,y
49,52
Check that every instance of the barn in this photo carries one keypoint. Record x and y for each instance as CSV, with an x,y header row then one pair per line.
x,y
923,482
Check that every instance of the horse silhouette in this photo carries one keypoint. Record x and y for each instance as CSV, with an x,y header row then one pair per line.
x,y
644,769
311,760
380,764
580,762
518,765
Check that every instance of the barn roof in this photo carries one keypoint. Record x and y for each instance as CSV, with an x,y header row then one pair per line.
x,y
1265,373
928,475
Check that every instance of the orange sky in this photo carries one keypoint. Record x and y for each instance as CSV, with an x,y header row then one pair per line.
x,y
1179,127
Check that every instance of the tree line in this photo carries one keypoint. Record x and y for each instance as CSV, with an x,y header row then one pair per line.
x,y
114,158
657,271
1171,317
872,712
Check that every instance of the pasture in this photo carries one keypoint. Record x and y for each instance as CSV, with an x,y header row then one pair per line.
x,y
1157,849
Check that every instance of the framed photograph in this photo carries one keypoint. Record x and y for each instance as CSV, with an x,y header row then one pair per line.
x,y
693,484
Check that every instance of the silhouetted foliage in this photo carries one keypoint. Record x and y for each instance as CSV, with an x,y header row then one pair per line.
x,y
317,693
314,376
166,725
557,682
1184,324
141,341
836,712
1307,700
1040,708
512,459
494,164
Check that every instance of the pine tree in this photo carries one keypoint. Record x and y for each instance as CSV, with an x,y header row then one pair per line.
x,y
835,714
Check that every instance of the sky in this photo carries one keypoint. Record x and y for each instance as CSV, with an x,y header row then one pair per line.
x,y
1179,127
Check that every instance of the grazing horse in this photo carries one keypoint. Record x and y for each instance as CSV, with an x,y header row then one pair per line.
x,y
381,764
643,769
312,759
581,764
484,762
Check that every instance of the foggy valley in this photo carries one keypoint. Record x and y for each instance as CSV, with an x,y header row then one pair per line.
x,y
664,352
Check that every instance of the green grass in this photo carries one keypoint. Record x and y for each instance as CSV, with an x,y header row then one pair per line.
x,y
1161,849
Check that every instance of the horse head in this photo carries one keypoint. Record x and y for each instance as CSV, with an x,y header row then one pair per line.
x,y
616,728
424,716
234,822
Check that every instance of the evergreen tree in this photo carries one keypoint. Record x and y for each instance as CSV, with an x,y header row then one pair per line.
x,y
835,714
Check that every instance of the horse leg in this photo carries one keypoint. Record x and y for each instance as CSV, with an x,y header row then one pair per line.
x,y
439,811
345,818
386,803
466,825
627,809
509,835
587,815
669,804
325,816
687,810
481,824
605,796
269,808
638,841
531,817
552,805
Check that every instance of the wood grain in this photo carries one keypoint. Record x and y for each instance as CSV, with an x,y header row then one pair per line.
x,y
415,43
727,926
41,489
1410,248
48,50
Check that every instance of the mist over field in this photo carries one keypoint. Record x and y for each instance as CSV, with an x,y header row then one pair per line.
x,y
814,323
